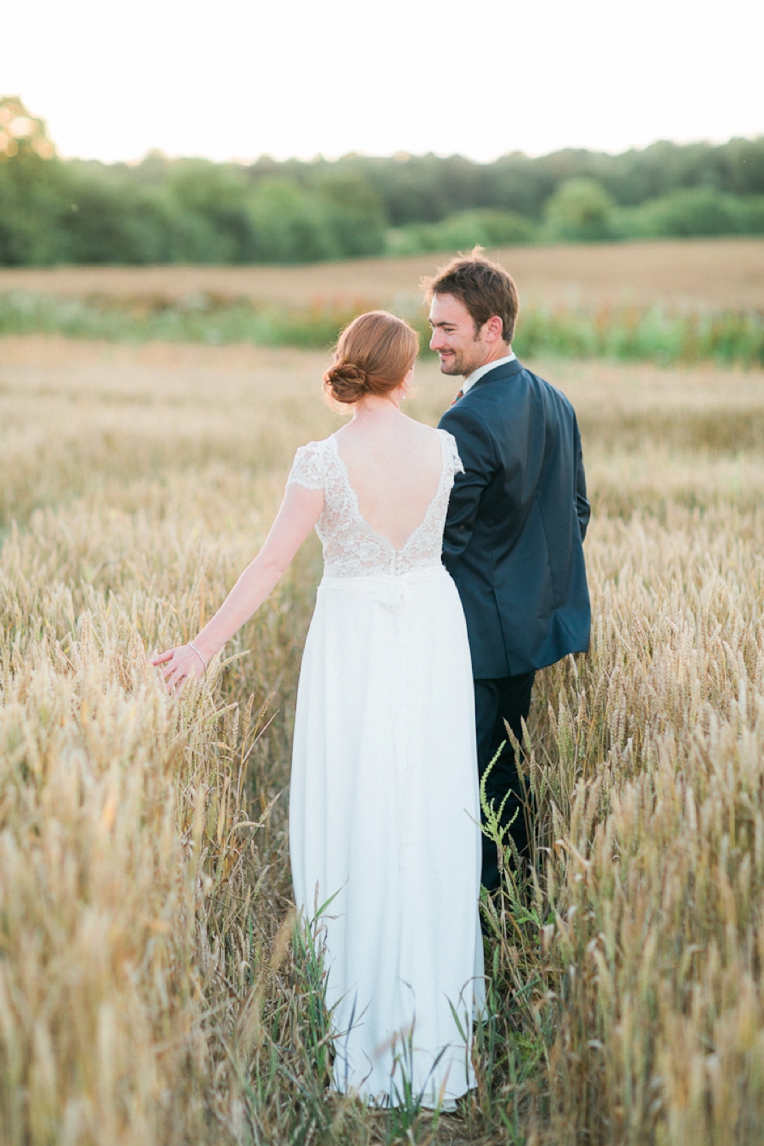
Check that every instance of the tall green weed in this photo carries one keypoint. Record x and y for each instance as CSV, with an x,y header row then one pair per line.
x,y
652,334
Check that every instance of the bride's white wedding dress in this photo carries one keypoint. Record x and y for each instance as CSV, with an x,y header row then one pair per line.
x,y
384,798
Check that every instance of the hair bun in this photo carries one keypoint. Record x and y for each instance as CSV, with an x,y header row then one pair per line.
x,y
346,381
374,353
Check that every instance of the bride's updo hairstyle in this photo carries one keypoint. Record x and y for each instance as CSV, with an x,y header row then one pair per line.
x,y
373,356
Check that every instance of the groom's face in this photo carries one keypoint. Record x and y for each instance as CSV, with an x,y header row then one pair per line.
x,y
460,348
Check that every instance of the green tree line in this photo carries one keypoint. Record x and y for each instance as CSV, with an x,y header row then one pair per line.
x,y
195,211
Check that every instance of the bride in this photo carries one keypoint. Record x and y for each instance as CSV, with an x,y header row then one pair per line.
x,y
384,807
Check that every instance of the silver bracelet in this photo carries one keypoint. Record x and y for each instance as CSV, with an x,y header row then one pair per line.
x,y
191,645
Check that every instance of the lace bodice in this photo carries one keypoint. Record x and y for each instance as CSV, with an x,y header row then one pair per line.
x,y
351,547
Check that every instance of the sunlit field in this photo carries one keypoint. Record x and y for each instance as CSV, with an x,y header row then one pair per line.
x,y
717,274
152,986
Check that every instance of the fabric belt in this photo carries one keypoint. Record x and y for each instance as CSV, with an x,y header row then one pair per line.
x,y
390,589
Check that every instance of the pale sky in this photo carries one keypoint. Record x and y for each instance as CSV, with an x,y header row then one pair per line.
x,y
241,78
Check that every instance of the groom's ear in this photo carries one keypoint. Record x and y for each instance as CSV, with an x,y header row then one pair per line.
x,y
493,329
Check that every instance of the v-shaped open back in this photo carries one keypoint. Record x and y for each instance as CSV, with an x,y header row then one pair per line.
x,y
363,519
352,547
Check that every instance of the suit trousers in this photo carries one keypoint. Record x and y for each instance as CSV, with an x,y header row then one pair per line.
x,y
508,698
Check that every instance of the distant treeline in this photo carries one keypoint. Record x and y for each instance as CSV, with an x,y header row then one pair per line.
x,y
195,211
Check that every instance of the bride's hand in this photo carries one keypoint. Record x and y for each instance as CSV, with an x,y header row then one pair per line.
x,y
299,512
181,664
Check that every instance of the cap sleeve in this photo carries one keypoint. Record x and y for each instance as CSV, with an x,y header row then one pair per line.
x,y
452,452
308,467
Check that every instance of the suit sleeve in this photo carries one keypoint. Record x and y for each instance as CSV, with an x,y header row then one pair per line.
x,y
476,450
583,508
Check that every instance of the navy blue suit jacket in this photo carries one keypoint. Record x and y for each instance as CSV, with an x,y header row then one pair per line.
x,y
516,522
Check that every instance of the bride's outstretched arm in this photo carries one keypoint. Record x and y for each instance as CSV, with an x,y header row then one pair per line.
x,y
300,510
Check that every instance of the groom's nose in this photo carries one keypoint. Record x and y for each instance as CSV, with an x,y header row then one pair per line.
x,y
436,339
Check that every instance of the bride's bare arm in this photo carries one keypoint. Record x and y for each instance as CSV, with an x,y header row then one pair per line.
x,y
299,512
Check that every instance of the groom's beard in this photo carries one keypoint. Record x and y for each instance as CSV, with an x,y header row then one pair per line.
x,y
463,361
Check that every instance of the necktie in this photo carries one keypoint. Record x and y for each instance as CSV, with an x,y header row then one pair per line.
x,y
458,396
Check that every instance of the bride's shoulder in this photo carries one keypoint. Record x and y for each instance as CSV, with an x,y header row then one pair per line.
x,y
424,433
309,465
448,442
316,447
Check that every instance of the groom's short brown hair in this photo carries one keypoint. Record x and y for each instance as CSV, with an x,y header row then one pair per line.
x,y
483,287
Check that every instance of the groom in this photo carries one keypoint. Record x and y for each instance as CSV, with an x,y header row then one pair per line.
x,y
516,520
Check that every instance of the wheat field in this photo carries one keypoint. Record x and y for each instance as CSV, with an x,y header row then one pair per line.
x,y
153,988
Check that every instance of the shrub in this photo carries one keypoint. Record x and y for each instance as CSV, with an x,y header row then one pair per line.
x,y
355,216
580,210
488,228
696,211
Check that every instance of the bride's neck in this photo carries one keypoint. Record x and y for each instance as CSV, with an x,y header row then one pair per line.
x,y
374,407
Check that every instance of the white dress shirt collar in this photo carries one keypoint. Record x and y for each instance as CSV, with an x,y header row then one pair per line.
x,y
472,378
